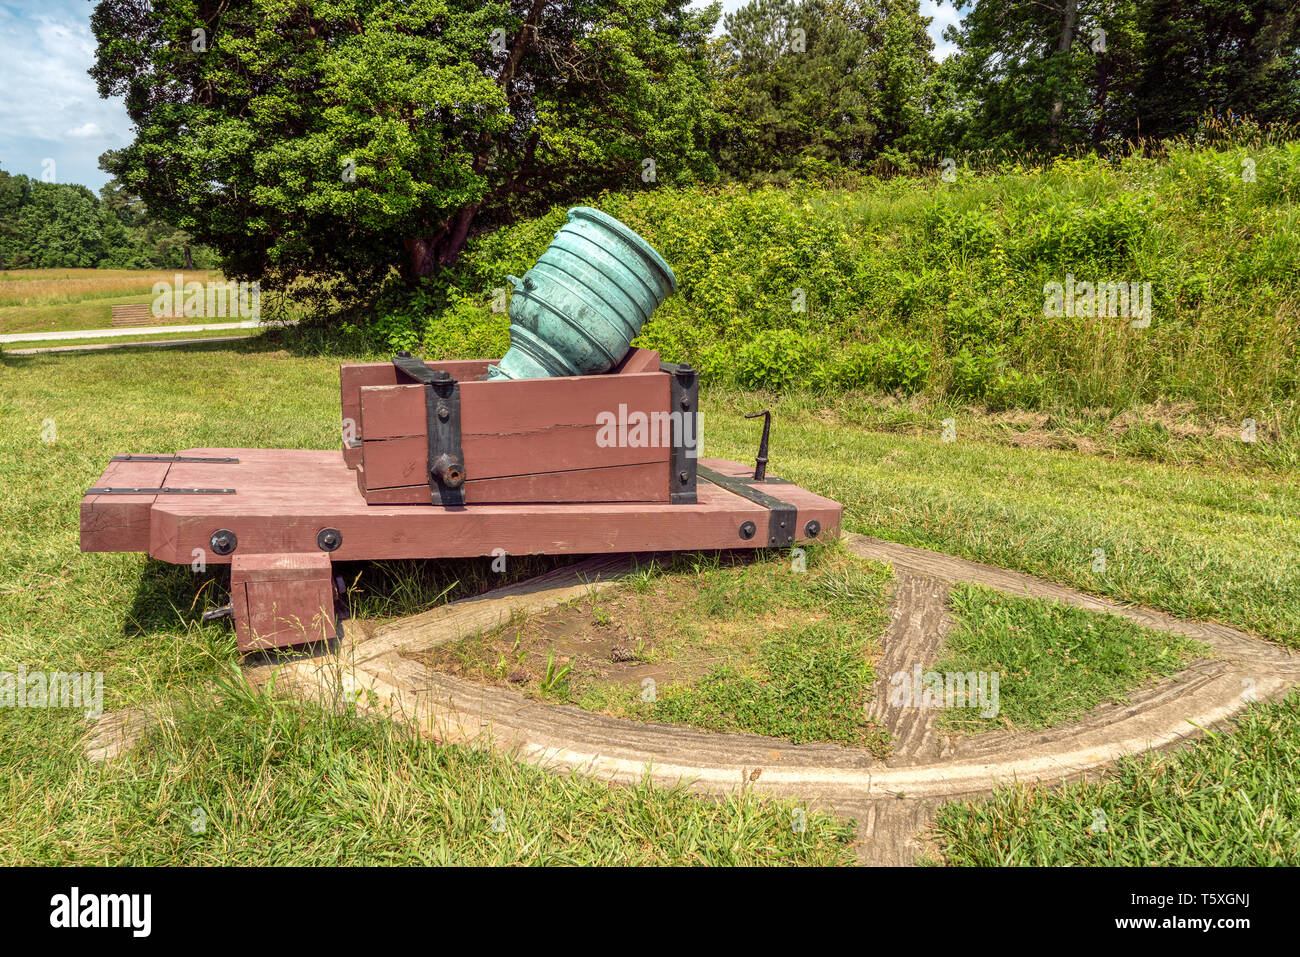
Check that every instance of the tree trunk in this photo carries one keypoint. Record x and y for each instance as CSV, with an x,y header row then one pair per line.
x,y
1103,87
424,254
189,260
1058,106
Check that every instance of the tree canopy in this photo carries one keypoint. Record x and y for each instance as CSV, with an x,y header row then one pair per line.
x,y
1052,74
809,85
340,137
335,140
65,226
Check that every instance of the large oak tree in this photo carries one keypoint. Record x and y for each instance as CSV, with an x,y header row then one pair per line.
x,y
339,138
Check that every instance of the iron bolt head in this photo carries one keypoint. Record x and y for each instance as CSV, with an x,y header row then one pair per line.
x,y
223,541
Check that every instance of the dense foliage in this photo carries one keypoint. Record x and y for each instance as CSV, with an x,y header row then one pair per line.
x,y
334,139
1051,74
58,225
812,86
912,284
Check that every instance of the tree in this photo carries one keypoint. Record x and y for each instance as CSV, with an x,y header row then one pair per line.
x,y
1025,68
338,138
1054,74
810,84
62,225
48,225
1216,56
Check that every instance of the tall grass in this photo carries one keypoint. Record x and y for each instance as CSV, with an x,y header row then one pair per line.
x,y
915,284
38,287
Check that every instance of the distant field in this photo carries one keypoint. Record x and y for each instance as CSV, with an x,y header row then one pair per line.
x,y
49,300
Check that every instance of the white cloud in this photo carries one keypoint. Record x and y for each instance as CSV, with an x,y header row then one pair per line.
x,y
84,131
943,15
50,107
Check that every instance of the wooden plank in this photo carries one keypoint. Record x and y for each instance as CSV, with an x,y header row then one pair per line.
x,y
637,360
354,375
621,483
272,518
120,523
409,531
522,427
517,407
285,497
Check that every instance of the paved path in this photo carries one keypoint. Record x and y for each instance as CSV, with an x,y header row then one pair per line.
x,y
127,331
152,344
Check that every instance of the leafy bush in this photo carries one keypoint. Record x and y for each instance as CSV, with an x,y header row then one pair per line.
x,y
778,359
911,284
888,364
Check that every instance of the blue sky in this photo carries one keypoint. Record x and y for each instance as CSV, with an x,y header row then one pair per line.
x,y
50,111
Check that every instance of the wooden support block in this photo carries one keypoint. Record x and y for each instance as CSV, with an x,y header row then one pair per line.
x,y
282,600
286,497
354,375
620,483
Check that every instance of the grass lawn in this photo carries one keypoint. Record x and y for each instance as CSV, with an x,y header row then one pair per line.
x,y
765,644
1196,540
1232,800
1193,539
1054,661
276,782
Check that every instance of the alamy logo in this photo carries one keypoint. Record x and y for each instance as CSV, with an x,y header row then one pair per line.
x,y
648,430
75,909
53,689
948,689
211,300
1110,300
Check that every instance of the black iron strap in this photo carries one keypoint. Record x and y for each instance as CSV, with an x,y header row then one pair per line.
x,y
115,490
684,398
442,417
174,458
782,516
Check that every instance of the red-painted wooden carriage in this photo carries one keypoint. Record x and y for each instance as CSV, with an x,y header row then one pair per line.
x,y
437,463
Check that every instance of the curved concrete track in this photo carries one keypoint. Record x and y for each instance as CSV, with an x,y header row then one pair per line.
x,y
893,799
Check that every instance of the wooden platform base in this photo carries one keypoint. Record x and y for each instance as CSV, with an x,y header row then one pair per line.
x,y
283,500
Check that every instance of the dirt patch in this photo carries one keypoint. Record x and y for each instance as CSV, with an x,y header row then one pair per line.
x,y
605,639
777,644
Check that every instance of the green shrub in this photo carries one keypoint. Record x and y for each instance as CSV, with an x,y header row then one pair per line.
x,y
888,364
778,359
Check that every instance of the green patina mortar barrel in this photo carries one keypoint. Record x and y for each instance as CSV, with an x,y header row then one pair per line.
x,y
578,309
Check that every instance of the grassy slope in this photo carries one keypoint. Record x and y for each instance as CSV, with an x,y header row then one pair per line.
x,y
1190,540
55,300
916,283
